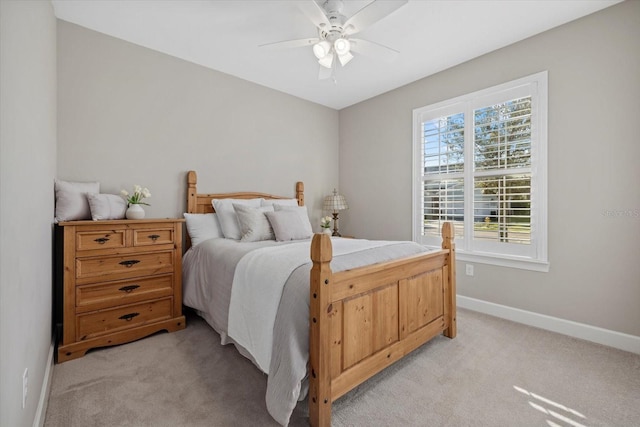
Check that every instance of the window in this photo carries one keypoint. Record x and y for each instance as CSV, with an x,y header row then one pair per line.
x,y
480,161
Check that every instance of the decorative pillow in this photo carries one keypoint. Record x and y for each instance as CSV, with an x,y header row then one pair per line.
x,y
202,227
302,210
254,225
290,224
281,202
71,200
106,206
227,215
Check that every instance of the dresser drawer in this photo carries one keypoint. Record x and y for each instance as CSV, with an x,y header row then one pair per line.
x,y
105,295
94,324
124,266
103,239
151,236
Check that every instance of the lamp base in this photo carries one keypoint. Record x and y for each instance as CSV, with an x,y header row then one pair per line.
x,y
335,225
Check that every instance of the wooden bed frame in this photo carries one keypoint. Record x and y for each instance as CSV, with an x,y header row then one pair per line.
x,y
365,319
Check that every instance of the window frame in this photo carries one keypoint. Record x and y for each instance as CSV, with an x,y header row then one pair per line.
x,y
536,258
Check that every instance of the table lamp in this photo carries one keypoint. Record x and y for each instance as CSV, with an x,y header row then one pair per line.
x,y
335,203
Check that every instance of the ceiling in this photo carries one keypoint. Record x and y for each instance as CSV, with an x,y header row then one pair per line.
x,y
225,35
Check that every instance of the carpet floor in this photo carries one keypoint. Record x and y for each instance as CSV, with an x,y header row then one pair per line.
x,y
495,373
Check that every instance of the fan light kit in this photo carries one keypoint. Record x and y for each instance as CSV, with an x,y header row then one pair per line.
x,y
342,47
335,31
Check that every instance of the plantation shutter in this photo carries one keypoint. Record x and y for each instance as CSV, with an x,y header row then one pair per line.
x,y
443,146
502,172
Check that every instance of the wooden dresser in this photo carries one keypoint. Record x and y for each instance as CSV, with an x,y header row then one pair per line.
x,y
117,281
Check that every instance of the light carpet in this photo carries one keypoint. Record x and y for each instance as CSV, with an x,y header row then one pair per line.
x,y
495,373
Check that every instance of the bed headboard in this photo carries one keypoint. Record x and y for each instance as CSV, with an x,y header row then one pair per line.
x,y
201,202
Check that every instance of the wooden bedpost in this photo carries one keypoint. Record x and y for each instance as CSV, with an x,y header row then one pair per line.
x,y
300,193
319,338
450,293
192,180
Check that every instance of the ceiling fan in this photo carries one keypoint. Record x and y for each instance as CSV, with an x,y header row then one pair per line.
x,y
334,42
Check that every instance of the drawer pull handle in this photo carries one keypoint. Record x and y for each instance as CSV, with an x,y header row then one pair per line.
x,y
154,237
129,288
129,316
102,240
128,263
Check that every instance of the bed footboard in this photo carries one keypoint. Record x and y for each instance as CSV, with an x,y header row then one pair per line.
x,y
365,319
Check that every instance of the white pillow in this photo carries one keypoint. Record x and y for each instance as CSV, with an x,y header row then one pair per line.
x,y
71,200
202,227
302,210
254,225
281,202
106,206
290,223
227,215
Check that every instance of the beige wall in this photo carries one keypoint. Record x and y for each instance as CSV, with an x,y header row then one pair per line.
x,y
130,115
594,93
27,170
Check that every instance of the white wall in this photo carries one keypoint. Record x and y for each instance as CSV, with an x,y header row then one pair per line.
x,y
130,115
27,170
594,88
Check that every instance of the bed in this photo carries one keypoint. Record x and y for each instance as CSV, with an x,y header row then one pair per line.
x,y
349,310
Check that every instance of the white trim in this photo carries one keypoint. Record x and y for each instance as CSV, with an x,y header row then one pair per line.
x,y
532,256
582,331
43,402
503,261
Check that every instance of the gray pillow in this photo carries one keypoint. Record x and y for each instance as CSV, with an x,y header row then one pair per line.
x,y
227,215
71,200
106,206
281,202
290,224
254,225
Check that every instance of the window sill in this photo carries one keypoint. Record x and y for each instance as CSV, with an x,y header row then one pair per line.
x,y
503,261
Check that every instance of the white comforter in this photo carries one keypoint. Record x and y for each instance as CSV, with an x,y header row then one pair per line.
x,y
257,286
266,312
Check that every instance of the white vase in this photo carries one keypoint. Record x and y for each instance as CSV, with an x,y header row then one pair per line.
x,y
327,231
135,211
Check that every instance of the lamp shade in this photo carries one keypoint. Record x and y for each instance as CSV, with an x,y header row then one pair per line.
x,y
321,49
327,61
342,46
344,59
335,202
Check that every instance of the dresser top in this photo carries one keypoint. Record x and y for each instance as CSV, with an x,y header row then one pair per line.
x,y
120,221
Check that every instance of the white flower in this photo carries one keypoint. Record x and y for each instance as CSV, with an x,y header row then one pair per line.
x,y
139,193
325,222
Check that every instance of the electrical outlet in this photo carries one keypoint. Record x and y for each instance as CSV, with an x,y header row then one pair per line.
x,y
469,269
25,387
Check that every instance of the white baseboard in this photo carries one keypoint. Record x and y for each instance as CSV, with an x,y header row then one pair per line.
x,y
567,327
43,402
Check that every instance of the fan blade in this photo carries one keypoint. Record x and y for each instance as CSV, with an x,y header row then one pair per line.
x,y
344,59
290,43
314,12
370,14
374,50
